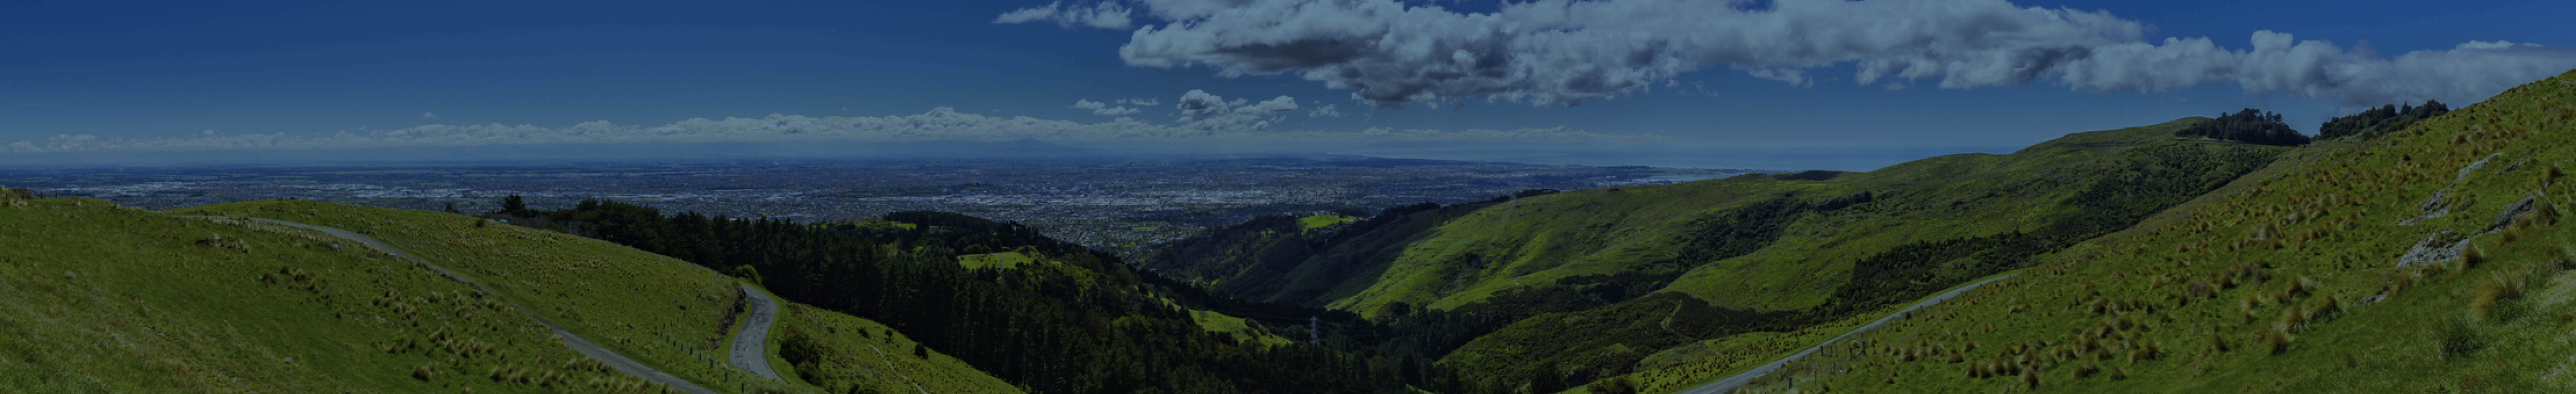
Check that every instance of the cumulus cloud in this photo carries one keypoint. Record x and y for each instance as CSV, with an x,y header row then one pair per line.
x,y
1099,108
1105,15
426,115
1237,120
1145,102
1565,52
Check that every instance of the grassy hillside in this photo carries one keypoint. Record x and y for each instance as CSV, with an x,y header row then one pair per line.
x,y
1446,257
1595,281
117,299
670,314
2430,259
109,299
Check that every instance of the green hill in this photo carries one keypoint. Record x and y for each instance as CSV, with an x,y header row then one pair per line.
x,y
1596,280
2428,259
112,299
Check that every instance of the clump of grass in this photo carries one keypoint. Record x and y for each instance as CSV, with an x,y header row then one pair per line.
x,y
2326,309
2218,341
2473,257
2499,299
424,372
15,198
2277,339
2566,258
2552,175
2200,289
2458,338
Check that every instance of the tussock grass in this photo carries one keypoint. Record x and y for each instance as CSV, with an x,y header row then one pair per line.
x,y
2331,311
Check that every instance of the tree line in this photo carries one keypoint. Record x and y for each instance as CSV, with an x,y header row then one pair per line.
x,y
2373,122
2251,126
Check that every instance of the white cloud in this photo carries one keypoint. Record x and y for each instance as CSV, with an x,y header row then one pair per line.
x,y
1202,110
426,115
1144,102
1561,52
1105,15
1324,111
1234,123
1099,108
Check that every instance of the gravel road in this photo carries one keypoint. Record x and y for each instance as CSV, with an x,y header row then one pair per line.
x,y
748,352
1730,383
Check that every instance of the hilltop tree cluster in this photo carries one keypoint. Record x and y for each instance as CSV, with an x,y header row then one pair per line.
x,y
2251,126
2373,122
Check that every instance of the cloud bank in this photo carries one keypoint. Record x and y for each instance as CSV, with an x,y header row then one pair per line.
x,y
1562,52
1105,15
1200,110
1205,117
1100,108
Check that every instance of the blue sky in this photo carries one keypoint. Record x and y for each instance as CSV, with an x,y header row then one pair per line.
x,y
172,75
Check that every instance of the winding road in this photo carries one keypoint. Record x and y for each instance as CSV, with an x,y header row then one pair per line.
x,y
616,361
1730,383
748,352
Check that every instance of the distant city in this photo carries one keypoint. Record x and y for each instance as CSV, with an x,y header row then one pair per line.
x,y
1112,204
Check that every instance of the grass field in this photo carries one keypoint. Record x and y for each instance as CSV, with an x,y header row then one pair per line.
x,y
1311,222
1000,260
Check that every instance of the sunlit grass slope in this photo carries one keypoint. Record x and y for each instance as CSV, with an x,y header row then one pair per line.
x,y
2432,259
100,298
837,353
1536,241
672,315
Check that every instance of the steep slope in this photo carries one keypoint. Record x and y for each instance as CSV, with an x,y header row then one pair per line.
x,y
107,298
2430,259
